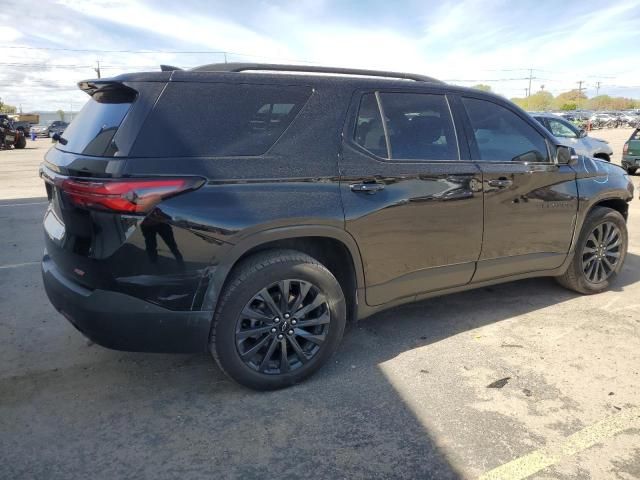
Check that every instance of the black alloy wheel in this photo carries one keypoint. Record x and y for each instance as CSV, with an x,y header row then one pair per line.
x,y
282,327
601,252
279,319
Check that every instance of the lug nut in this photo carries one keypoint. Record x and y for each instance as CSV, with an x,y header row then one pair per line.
x,y
286,316
290,332
273,330
294,322
280,336
276,320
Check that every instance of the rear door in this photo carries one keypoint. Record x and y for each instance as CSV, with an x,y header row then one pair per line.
x,y
530,202
411,195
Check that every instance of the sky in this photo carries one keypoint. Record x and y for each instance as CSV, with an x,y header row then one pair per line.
x,y
51,45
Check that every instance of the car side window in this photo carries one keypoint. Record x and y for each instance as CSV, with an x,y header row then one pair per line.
x,y
419,126
502,136
369,132
561,129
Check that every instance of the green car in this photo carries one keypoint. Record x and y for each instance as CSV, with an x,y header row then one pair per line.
x,y
631,153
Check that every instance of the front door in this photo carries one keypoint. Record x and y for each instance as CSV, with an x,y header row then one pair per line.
x,y
530,202
412,197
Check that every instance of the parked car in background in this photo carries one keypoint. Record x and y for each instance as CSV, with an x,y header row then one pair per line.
x,y
631,152
48,130
57,126
255,224
571,136
41,130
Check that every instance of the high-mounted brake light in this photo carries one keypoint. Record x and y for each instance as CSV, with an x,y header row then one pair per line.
x,y
128,195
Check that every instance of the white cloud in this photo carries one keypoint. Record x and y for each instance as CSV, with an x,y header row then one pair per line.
x,y
490,41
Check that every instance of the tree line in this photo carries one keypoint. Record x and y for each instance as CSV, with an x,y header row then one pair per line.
x,y
571,100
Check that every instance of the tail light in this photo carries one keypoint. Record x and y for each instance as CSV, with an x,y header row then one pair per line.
x,y
128,195
625,149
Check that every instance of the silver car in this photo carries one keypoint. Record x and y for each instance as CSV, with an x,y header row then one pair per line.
x,y
571,136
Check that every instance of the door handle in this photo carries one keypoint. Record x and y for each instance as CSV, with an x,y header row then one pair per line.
x,y
500,183
367,187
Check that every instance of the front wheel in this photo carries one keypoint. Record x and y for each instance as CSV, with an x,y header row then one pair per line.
x,y
599,253
279,319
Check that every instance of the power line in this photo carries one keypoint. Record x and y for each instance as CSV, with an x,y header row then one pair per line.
x,y
224,53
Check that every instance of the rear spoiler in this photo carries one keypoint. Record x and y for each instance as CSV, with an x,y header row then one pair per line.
x,y
168,68
108,91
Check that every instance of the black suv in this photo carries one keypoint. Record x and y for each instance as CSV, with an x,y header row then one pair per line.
x,y
253,210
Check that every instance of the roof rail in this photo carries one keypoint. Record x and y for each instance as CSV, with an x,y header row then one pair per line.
x,y
243,67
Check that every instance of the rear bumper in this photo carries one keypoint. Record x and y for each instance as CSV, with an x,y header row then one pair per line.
x,y
631,160
121,322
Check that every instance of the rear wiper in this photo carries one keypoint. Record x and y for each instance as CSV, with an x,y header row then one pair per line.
x,y
59,138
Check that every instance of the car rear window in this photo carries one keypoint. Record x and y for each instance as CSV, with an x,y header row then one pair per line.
x,y
91,132
635,135
213,119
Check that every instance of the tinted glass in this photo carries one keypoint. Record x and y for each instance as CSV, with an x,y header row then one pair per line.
x,y
212,119
562,129
369,131
419,126
501,135
635,135
91,132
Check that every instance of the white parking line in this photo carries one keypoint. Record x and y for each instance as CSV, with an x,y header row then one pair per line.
x,y
537,460
17,265
22,204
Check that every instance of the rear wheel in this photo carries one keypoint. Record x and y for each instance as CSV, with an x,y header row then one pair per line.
x,y
599,253
21,142
632,170
280,318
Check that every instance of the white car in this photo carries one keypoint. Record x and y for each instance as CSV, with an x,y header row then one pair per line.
x,y
571,136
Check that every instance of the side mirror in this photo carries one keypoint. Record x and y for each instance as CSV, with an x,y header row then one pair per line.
x,y
582,133
566,155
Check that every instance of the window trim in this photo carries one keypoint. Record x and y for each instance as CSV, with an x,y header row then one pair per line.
x,y
353,124
473,144
385,129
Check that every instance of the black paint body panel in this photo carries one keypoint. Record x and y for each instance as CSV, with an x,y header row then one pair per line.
x,y
435,227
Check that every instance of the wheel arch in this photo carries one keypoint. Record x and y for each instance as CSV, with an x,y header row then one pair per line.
x,y
603,156
617,204
332,246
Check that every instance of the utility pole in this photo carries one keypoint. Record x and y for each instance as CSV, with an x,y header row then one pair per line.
x,y
579,82
98,69
225,56
597,88
529,89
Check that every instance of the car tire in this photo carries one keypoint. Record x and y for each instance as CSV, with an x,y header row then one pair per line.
x,y
21,142
598,257
631,171
286,352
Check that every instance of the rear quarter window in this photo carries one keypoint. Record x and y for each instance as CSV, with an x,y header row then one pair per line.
x,y
213,119
92,131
